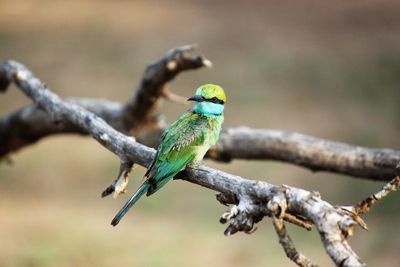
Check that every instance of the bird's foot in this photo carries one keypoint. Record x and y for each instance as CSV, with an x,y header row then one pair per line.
x,y
193,165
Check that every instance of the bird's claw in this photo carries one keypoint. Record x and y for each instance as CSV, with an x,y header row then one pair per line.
x,y
193,165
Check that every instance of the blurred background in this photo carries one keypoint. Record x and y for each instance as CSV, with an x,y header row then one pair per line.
x,y
330,69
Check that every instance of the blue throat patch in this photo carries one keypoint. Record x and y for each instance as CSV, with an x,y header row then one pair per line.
x,y
208,108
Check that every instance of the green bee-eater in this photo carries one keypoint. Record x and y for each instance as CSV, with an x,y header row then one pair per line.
x,y
185,141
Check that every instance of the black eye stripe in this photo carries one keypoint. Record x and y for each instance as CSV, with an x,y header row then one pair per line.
x,y
214,100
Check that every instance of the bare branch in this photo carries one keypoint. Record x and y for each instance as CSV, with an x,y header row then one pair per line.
x,y
167,94
307,151
298,221
29,124
250,205
143,106
365,205
288,245
252,197
278,207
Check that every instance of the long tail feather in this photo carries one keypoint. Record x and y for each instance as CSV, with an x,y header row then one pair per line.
x,y
134,198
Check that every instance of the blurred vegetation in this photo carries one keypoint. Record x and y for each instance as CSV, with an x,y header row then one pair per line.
x,y
328,69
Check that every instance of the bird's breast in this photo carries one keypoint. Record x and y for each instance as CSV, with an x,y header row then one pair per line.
x,y
200,152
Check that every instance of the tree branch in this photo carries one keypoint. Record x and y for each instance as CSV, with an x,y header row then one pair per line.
x,y
284,239
313,153
333,224
29,124
365,205
251,199
143,106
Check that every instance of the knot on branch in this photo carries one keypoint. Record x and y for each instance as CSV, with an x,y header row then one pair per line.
x,y
243,216
277,205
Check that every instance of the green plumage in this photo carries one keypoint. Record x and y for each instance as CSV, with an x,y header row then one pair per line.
x,y
185,141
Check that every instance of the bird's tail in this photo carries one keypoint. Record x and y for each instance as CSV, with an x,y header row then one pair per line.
x,y
134,198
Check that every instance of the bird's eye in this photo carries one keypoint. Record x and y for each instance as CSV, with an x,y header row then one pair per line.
x,y
214,99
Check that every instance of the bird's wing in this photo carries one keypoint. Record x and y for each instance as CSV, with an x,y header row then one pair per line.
x,y
177,149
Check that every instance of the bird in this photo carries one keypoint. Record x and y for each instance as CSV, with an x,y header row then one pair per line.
x,y
184,142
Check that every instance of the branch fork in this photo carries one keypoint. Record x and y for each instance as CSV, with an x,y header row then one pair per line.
x,y
251,200
278,207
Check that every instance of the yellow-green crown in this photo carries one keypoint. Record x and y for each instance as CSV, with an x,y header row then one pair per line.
x,y
208,91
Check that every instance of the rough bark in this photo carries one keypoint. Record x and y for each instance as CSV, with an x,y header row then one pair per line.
x,y
30,124
251,200
313,153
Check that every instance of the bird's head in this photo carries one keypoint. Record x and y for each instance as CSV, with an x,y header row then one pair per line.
x,y
210,100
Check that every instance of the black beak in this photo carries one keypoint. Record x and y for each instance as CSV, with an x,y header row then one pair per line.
x,y
196,98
